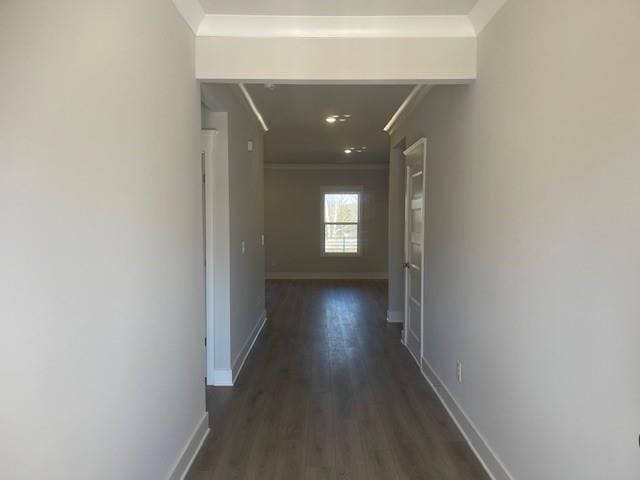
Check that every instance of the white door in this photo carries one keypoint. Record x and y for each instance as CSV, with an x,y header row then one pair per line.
x,y
415,157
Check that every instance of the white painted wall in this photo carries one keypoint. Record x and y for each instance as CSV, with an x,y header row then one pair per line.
x,y
101,303
293,210
245,186
532,238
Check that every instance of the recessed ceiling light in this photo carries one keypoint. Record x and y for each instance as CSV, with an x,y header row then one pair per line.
x,y
337,118
356,149
347,151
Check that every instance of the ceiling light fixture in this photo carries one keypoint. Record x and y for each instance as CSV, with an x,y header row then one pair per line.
x,y
347,151
330,119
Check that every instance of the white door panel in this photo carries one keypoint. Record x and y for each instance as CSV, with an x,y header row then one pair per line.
x,y
415,157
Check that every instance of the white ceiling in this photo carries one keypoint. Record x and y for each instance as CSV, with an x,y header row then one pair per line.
x,y
338,7
298,132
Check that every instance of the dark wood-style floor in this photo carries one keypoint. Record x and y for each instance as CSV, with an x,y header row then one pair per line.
x,y
329,392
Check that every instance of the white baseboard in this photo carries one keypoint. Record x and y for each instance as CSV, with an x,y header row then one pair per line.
x,y
395,316
226,377
238,362
487,457
222,378
413,345
190,450
326,276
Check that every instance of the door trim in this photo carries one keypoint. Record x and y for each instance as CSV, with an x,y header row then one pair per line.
x,y
407,254
208,149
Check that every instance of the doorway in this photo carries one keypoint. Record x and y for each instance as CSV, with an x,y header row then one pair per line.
x,y
208,146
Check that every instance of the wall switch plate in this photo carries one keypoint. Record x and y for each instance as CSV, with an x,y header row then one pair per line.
x,y
459,371
250,146
262,239
243,246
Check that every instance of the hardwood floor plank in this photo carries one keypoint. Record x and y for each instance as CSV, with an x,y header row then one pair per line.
x,y
350,455
319,473
320,437
329,393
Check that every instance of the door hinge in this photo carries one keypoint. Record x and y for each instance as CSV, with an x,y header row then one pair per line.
x,y
205,341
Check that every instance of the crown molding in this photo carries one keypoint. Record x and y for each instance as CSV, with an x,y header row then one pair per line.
x,y
402,108
300,26
410,103
326,166
192,12
483,12
252,106
290,26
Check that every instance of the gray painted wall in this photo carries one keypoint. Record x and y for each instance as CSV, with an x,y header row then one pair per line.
x,y
102,308
532,238
246,213
397,179
293,221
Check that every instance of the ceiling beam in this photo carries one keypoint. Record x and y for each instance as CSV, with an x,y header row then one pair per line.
x,y
336,60
335,49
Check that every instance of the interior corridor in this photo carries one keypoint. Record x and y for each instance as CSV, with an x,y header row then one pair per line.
x,y
329,392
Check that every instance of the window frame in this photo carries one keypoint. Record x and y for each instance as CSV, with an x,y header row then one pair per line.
x,y
346,190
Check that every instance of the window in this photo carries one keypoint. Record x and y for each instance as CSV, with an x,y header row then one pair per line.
x,y
341,222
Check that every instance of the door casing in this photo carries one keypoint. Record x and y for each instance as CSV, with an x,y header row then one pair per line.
x,y
420,144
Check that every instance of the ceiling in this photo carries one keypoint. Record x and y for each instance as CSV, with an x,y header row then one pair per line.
x,y
338,7
298,132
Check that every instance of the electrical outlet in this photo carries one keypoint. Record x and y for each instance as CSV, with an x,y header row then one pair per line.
x,y
262,239
459,371
243,246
